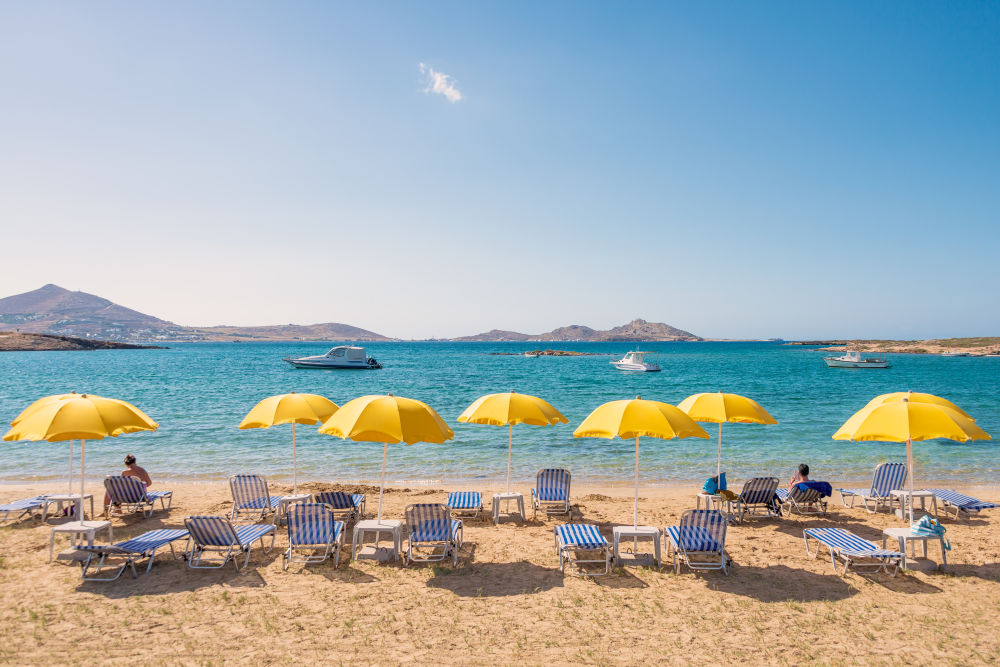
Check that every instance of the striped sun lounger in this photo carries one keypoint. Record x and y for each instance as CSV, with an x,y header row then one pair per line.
x,y
849,547
887,477
20,508
465,503
809,501
551,492
961,503
130,551
573,539
346,506
311,527
430,526
699,542
758,494
215,534
251,497
128,495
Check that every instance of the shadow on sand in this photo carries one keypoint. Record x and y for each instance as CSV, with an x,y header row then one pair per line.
x,y
496,579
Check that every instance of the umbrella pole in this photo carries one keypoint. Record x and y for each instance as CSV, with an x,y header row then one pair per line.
x,y
510,444
718,470
80,505
381,484
71,467
909,465
635,511
295,470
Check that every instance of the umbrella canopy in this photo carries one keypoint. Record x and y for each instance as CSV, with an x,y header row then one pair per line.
x,y
291,409
909,421
916,397
509,409
84,417
45,400
389,420
719,408
634,418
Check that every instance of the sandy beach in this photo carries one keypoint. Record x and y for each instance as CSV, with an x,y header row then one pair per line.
x,y
507,601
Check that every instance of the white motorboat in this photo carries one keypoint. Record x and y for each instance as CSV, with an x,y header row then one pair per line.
x,y
635,361
855,360
342,356
532,355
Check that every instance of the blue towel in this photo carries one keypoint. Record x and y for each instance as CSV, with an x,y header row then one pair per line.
x,y
824,488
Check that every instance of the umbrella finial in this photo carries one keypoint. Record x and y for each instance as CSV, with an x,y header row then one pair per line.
x,y
638,398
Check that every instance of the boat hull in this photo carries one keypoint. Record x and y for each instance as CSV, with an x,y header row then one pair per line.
x,y
637,368
300,363
839,363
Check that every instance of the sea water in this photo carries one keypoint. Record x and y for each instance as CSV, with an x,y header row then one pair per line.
x,y
199,392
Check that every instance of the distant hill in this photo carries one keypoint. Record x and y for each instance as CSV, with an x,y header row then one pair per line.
x,y
635,331
54,310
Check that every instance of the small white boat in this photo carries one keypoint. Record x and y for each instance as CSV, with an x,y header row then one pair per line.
x,y
855,360
635,361
532,355
342,356
954,354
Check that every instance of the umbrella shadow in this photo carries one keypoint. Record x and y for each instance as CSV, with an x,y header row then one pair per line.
x,y
620,578
348,575
987,571
779,583
496,579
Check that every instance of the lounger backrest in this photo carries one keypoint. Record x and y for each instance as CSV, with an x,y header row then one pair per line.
x,y
465,500
338,500
26,503
212,531
552,484
125,489
249,489
888,476
702,530
428,522
759,490
810,495
311,523
581,535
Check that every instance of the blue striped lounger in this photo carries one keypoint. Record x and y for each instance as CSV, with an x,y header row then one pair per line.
x,y
758,494
551,492
215,534
809,501
572,539
311,527
849,547
465,503
133,550
250,496
888,477
430,526
346,506
129,495
21,508
699,542
960,502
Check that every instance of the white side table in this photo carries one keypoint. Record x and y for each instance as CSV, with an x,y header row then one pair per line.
x,y
60,498
391,526
711,500
505,498
636,533
87,529
904,497
288,501
903,536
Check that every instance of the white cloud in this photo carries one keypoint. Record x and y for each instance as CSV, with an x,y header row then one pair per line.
x,y
440,83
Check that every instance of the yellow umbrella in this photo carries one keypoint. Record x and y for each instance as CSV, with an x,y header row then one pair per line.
x,y
387,419
916,397
45,400
291,409
84,417
721,408
509,409
908,421
634,418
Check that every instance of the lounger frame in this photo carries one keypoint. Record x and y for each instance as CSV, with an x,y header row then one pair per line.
x,y
699,541
313,527
574,539
346,507
430,526
551,492
962,504
25,506
887,477
251,497
850,548
131,551
215,534
129,496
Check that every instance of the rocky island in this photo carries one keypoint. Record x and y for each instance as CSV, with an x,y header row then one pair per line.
x,y
973,347
15,341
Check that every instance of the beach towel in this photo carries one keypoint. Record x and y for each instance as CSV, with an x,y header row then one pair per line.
x,y
824,488
929,527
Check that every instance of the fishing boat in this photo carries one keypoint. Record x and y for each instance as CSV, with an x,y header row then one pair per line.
x,y
342,356
635,361
855,360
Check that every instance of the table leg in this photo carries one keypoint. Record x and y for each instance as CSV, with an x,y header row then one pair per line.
x,y
52,541
902,548
944,554
92,507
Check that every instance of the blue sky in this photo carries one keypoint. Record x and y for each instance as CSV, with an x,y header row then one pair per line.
x,y
734,169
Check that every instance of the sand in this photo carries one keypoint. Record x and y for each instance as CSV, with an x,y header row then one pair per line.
x,y
507,601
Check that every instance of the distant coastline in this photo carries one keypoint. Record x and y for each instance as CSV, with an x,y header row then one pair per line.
x,y
13,341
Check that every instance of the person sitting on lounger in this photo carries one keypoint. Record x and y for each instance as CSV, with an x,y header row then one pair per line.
x,y
131,470
801,475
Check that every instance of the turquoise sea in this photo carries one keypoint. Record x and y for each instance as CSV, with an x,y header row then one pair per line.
x,y
199,392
